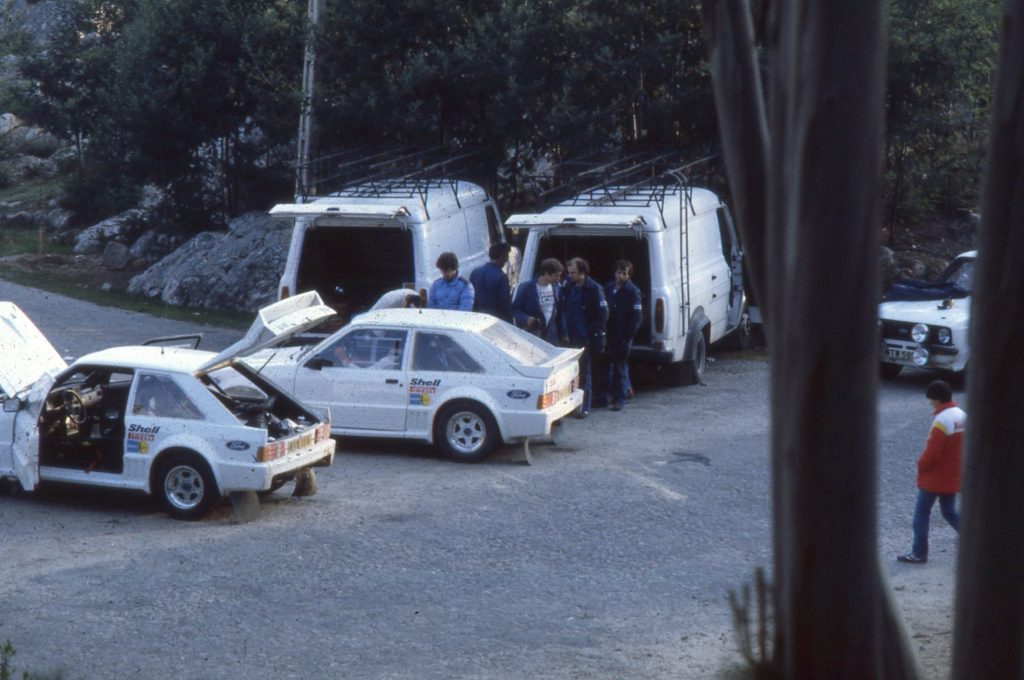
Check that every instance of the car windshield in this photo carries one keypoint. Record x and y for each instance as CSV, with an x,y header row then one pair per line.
x,y
960,274
518,345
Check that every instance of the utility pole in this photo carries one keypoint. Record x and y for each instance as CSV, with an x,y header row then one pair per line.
x,y
305,142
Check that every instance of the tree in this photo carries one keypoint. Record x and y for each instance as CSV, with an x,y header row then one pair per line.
x,y
822,147
989,615
938,90
814,237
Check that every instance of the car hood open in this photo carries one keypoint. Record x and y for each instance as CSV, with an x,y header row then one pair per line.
x,y
25,353
274,324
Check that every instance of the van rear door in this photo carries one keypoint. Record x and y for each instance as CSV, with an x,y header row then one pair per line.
x,y
351,254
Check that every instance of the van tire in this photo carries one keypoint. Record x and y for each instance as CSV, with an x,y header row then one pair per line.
x,y
465,431
692,372
185,486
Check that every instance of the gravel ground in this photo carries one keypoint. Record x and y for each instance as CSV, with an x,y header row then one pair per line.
x,y
610,557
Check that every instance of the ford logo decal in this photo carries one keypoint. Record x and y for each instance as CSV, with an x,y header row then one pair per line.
x,y
236,445
518,394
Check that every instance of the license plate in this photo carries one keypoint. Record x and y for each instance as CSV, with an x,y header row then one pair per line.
x,y
899,354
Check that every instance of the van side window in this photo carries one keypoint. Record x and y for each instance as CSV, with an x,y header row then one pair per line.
x,y
493,225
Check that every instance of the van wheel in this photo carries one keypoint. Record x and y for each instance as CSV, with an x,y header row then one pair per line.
x,y
186,486
692,372
466,432
889,371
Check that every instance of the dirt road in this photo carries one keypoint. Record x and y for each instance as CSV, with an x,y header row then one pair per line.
x,y
610,557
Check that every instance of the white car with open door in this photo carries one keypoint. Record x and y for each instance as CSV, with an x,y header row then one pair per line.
x,y
461,380
181,424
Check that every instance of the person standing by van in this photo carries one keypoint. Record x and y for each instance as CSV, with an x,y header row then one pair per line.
x,y
582,322
625,311
451,291
535,307
490,284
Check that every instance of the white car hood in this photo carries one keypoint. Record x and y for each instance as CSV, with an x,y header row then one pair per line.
x,y
927,311
25,353
274,325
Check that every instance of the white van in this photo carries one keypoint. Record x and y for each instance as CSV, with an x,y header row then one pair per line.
x,y
686,259
353,245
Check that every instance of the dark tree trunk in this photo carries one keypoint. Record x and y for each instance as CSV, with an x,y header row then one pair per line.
x,y
989,616
819,287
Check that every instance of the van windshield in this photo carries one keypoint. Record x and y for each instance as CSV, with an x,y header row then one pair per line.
x,y
351,267
518,345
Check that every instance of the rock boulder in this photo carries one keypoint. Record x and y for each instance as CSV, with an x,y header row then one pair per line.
x,y
236,270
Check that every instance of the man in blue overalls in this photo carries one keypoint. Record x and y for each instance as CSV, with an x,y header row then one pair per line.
x,y
582,321
624,316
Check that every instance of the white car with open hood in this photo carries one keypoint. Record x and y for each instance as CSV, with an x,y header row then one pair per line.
x,y
181,424
461,380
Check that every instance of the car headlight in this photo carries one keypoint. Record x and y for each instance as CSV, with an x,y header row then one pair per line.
x,y
919,332
945,336
920,356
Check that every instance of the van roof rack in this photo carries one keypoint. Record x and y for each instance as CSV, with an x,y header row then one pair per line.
x,y
639,179
388,172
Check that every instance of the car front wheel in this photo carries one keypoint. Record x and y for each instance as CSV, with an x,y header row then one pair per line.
x,y
466,432
186,486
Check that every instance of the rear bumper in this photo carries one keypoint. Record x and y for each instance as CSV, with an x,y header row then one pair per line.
x,y
649,355
258,476
519,425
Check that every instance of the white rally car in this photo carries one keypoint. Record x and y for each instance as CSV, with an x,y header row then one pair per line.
x,y
181,424
925,324
461,380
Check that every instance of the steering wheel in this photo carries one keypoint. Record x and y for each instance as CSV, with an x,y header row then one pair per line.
x,y
74,405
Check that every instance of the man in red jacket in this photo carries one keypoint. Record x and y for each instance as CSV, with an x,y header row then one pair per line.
x,y
938,468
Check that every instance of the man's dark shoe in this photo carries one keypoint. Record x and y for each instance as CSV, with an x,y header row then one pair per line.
x,y
911,558
582,414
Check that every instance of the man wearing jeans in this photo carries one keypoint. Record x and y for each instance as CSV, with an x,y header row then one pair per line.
x,y
938,468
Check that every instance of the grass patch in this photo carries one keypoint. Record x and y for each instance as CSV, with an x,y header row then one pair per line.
x,y
79,291
20,241
32,191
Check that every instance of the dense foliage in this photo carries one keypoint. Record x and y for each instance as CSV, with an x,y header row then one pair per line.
x,y
202,96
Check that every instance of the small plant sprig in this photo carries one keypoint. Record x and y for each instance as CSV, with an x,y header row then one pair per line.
x,y
754,638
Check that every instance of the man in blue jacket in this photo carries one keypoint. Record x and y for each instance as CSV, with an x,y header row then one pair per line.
x,y
451,291
535,307
584,315
490,284
625,312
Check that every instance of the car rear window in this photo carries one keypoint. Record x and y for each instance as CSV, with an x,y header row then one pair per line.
x,y
518,345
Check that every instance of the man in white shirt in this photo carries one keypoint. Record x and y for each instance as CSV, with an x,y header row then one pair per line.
x,y
535,307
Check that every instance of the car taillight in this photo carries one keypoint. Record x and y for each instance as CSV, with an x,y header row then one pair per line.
x,y
323,431
271,451
546,400
659,316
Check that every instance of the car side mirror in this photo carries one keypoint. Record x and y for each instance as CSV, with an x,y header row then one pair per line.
x,y
12,405
317,363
